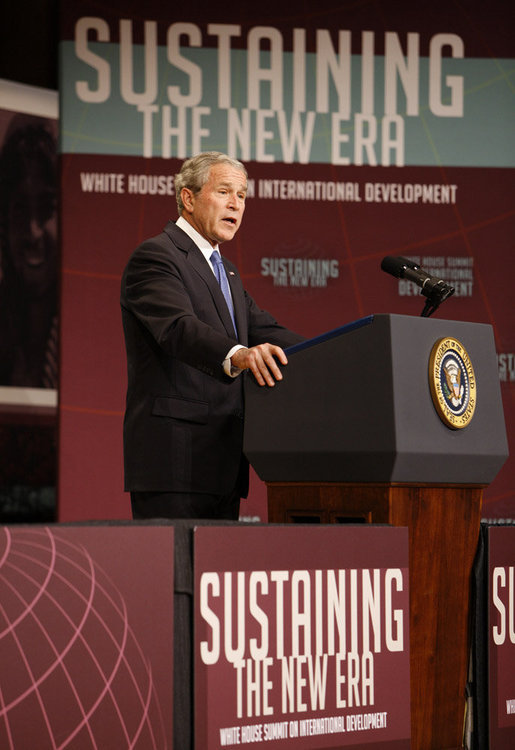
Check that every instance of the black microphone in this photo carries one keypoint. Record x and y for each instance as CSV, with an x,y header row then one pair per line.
x,y
435,289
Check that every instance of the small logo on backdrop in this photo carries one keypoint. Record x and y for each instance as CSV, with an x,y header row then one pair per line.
x,y
298,265
452,382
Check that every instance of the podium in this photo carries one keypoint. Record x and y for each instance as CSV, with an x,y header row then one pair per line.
x,y
357,432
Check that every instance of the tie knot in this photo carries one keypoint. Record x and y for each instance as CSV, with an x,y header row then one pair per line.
x,y
216,258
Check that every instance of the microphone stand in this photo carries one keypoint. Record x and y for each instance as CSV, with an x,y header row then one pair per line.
x,y
436,290
435,297
429,308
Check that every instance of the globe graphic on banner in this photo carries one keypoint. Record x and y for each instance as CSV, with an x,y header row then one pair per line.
x,y
72,673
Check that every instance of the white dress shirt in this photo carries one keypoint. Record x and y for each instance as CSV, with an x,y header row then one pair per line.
x,y
206,249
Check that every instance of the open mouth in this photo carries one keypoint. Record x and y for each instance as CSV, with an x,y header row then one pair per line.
x,y
230,220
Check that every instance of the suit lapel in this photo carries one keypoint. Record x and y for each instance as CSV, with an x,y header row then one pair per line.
x,y
201,266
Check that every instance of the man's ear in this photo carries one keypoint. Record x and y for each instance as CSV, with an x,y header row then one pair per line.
x,y
188,199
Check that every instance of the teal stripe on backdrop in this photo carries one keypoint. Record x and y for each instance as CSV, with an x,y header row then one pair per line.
x,y
482,137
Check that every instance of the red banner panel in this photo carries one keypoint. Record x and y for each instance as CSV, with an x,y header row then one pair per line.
x,y
86,644
501,636
301,637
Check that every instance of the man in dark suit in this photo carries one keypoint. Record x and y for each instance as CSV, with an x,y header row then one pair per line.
x,y
186,345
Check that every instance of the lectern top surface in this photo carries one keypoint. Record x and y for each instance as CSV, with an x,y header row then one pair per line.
x,y
352,326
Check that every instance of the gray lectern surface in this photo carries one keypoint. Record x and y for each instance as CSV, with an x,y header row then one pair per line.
x,y
355,405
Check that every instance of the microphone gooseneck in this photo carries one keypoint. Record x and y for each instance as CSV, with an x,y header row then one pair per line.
x,y
436,290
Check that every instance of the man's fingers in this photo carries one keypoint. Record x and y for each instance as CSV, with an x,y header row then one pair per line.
x,y
263,367
260,360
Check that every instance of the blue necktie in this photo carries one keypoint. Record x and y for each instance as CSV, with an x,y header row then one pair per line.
x,y
221,276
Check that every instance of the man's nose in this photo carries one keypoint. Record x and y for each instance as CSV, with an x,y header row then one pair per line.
x,y
235,201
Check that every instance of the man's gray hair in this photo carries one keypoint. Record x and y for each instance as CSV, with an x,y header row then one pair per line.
x,y
195,172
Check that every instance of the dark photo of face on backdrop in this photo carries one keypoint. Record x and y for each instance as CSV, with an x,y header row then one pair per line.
x,y
28,251
29,273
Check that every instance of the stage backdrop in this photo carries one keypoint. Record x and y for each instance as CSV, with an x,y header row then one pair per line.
x,y
368,130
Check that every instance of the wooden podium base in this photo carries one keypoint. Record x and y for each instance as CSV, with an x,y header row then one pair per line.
x,y
443,523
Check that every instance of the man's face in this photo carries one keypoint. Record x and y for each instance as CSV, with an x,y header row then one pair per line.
x,y
217,210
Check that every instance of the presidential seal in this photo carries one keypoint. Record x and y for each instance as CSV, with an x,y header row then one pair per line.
x,y
452,382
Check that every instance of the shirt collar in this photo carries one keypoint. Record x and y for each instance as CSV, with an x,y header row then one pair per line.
x,y
203,245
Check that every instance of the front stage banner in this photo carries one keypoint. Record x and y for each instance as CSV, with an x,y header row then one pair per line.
x,y
86,637
301,637
501,636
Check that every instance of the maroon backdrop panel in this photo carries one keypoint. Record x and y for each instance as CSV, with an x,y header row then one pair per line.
x,y
501,636
301,637
86,644
314,233
346,241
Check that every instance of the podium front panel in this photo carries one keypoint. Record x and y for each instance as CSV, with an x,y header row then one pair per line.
x,y
357,407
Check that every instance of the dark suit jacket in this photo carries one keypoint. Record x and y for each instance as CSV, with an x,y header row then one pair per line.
x,y
183,427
